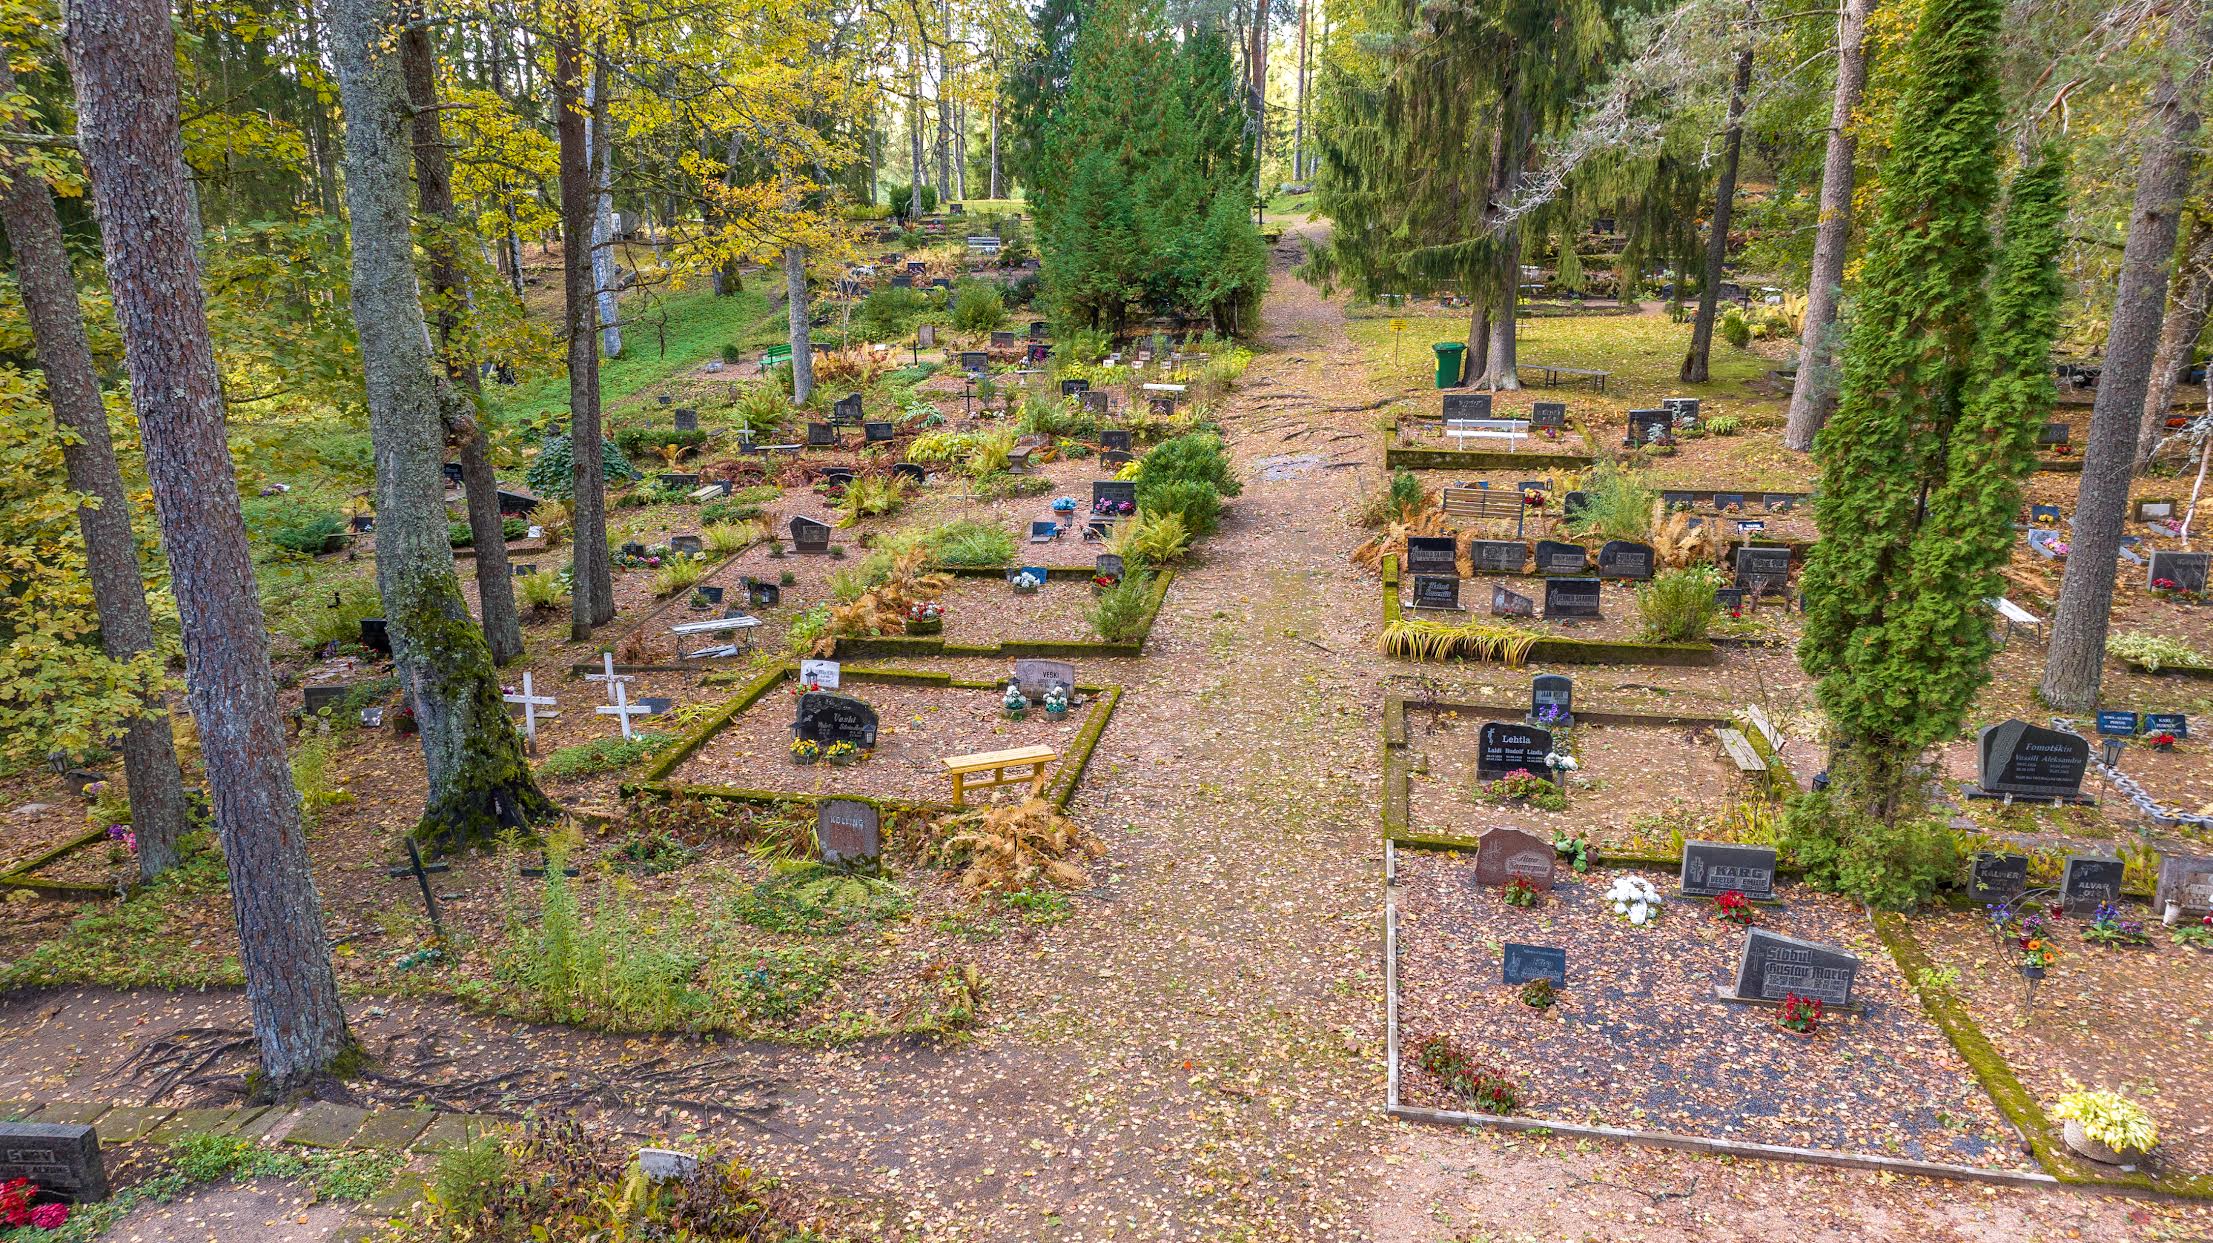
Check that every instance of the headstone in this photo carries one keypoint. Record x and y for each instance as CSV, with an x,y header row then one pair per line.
x,y
975,362
1436,591
1107,565
326,695
1002,340
2052,434
61,1159
826,717
2029,760
1113,497
1558,557
687,544
1625,559
900,280
666,1165
847,409
2186,881
1116,438
838,476
1043,531
1676,498
2088,880
1729,598
1774,967
1763,569
1681,407
1712,868
1467,405
1505,854
1094,400
2174,723
632,548
1555,691
2147,508
1040,330
925,336
877,433
1034,676
763,595
453,473
1524,963
1432,554
375,635
913,472
1505,746
1506,602
1729,502
2115,724
364,523
1778,502
1571,597
1069,388
848,830
522,569
1644,424
821,435
2187,570
708,595
1498,556
1548,414
687,420
808,535
1116,458
1997,878
2045,513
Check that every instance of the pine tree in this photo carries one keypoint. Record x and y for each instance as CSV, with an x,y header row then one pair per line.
x,y
1918,318
1037,87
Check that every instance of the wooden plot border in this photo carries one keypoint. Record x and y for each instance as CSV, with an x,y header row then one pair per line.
x,y
1559,650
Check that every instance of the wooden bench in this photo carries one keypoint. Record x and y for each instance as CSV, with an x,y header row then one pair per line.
x,y
2015,617
1740,750
740,626
1484,503
1553,376
986,769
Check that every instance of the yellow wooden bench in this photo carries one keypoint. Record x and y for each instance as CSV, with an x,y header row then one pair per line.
x,y
986,769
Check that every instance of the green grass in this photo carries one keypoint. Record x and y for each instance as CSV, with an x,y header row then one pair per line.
x,y
601,755
142,942
699,324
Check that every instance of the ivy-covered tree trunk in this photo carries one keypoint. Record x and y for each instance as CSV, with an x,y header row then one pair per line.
x,y
796,313
123,63
2076,662
88,455
471,752
592,594
1813,393
1696,364
1905,374
2187,307
495,583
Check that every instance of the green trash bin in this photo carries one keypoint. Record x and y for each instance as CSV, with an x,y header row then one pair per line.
x,y
1449,357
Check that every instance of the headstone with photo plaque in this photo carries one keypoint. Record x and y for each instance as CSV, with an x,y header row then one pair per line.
x,y
1506,602
2151,508
809,535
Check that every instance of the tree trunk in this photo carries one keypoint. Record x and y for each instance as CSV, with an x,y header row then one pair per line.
x,y
1813,393
471,752
944,115
592,597
1298,129
1695,363
795,305
122,59
2077,657
1257,64
995,187
2178,335
111,548
495,584
1500,369
914,136
1479,341
605,276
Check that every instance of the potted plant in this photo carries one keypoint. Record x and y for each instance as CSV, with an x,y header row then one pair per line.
x,y
2161,741
1519,892
1525,787
1064,508
925,617
1574,849
805,751
2037,956
2198,935
2162,588
1635,899
1056,702
1800,1016
1732,905
1539,994
1026,583
843,754
2107,928
1017,704
2106,1126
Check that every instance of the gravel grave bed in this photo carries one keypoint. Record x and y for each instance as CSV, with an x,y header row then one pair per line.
x,y
917,727
2132,1019
1636,1039
988,610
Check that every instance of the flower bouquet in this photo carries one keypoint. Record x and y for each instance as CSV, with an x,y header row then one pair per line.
x,y
1056,702
1017,704
1800,1016
1635,899
2037,956
1733,906
2161,741
2107,928
843,754
805,751
1026,583
925,617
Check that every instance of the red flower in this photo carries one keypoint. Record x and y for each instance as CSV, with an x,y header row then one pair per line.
x,y
1733,906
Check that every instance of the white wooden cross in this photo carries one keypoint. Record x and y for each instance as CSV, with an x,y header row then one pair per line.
x,y
531,702
609,676
622,710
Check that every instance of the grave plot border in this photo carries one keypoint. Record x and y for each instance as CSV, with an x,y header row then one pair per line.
x,y
1561,650
647,620
1059,789
1483,459
21,875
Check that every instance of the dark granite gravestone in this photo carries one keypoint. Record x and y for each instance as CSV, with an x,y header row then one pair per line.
x,y
1574,503
2052,434
1505,854
1498,556
1432,554
453,473
1107,565
877,433
1774,967
687,420
1095,401
1625,559
762,595
62,1160
1729,598
1501,747
364,523
912,472
1113,497
1115,458
2031,761
1559,557
1436,591
632,549
2087,881
821,435
1506,602
326,695
1729,502
1556,692
679,481
1995,878
1116,438
687,544
1778,502
375,635
1034,676
846,410
2146,508
839,476
1002,340
2175,723
1069,388
1040,330
848,830
1571,597
1673,499
1763,569
1467,405
1644,424
2186,881
900,280
2115,724
707,595
1524,963
1548,414
1527,486
1044,531
523,568
2187,570
1712,868
808,535
975,362
1681,407
827,717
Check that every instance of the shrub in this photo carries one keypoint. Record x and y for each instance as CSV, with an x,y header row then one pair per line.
x,y
978,307
676,573
550,474
1119,614
2109,1118
1002,485
1724,424
1678,606
1847,851
314,623
1012,848
966,541
888,314
542,592
761,409
871,496
459,534
815,898
1735,328
728,538
608,970
1617,506
638,441
1155,539
601,755
1047,415
1195,455
1194,502
1485,1087
309,533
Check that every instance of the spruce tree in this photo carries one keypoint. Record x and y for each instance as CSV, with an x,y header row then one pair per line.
x,y
1918,320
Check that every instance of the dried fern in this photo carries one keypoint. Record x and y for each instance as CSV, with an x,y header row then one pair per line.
x,y
1392,542
1423,640
1012,847
882,609
1679,541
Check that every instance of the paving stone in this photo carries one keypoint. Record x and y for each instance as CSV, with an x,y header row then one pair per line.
x,y
401,1194
126,1123
259,1123
326,1124
395,1128
10,1110
454,1130
196,1121
70,1113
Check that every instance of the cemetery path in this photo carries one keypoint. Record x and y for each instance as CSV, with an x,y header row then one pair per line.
x,y
1197,1053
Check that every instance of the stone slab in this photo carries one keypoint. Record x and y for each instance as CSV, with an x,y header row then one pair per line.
x,y
392,1128
326,1124
127,1123
453,1130
185,1122
70,1113
259,1122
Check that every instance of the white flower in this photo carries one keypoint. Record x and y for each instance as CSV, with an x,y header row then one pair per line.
x,y
1639,913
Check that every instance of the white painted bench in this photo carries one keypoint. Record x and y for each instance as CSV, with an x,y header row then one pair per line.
x,y
1739,749
1509,430
741,627
2016,617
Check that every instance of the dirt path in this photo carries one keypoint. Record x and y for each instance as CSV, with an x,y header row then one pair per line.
x,y
1197,1055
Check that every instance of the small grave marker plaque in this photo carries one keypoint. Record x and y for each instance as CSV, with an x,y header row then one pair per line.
x,y
1778,502
822,674
1094,400
1552,700
2187,570
326,695
1498,556
1559,557
2115,724
60,1159
1683,408
1774,966
2052,434
821,435
2044,513
1467,405
1712,868
877,433
2031,761
847,409
2187,882
687,420
1115,438
1002,340
848,830
1506,602
687,544
808,535
2174,723
1505,854
975,362
1107,565
1548,414
1729,598
925,336
2088,881
1503,747
1436,591
1625,559
1069,388
910,471
1997,877
762,595
1676,498
2148,508
1763,569
1571,597
1524,963
1432,554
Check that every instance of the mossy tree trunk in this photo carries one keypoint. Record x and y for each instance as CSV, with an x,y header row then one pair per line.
x,y
472,754
796,312
1813,393
592,598
1697,363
